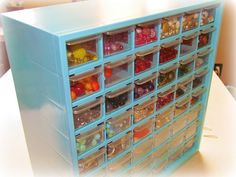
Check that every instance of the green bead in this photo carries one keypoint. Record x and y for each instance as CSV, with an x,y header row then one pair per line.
x,y
83,141
94,142
82,148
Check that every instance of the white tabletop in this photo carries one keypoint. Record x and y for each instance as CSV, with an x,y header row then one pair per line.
x,y
217,156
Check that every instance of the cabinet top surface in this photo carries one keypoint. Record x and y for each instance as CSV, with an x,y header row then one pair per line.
x,y
104,14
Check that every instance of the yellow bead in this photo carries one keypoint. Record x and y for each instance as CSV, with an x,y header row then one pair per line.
x,y
79,53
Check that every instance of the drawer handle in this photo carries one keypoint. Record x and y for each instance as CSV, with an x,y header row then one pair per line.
x,y
184,83
154,22
190,36
128,113
204,53
189,60
119,91
164,71
145,104
199,92
211,29
163,94
111,65
109,33
201,74
182,103
147,79
147,52
78,77
87,106
83,40
172,43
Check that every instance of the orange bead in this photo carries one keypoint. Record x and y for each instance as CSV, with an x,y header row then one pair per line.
x,y
95,85
73,95
88,86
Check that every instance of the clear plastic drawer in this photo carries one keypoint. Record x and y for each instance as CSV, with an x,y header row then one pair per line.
x,y
86,83
91,162
197,96
117,41
118,98
182,106
143,110
145,60
118,71
87,113
145,86
164,117
202,58
169,51
189,44
200,78
208,16
143,130
192,130
205,37
191,20
184,87
142,149
167,75
82,51
90,139
146,33
165,98
162,136
170,26
186,66
118,146
179,124
177,140
118,124
194,113
189,144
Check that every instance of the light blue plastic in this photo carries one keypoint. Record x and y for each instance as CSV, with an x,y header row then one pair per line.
x,y
36,47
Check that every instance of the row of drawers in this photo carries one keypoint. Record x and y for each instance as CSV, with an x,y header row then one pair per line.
x,y
86,50
115,148
94,109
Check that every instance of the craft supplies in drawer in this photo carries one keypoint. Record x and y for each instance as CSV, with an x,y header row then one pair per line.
x,y
184,87
88,112
144,110
117,41
197,96
165,98
89,139
142,149
145,86
169,51
182,106
202,58
82,51
162,136
200,78
189,44
186,66
143,167
189,144
190,20
91,162
177,140
167,75
118,124
164,117
118,70
191,130
86,83
146,33
118,146
205,37
118,98
143,130
170,26
179,124
208,16
145,60
118,165
194,113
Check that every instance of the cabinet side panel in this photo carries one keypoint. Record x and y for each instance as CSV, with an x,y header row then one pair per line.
x,y
40,92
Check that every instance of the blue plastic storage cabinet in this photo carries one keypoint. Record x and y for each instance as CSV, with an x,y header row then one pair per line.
x,y
113,88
